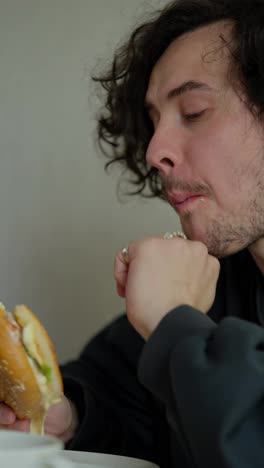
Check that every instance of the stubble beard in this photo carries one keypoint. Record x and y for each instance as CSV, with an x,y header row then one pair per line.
x,y
231,233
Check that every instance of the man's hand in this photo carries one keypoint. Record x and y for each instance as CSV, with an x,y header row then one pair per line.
x,y
61,420
162,274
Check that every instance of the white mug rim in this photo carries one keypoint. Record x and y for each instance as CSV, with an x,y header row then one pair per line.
x,y
41,444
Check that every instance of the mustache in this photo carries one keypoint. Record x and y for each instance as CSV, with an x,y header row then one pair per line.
x,y
170,184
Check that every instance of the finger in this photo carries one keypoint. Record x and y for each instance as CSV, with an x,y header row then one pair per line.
x,y
22,425
121,261
120,290
59,417
18,425
7,415
120,270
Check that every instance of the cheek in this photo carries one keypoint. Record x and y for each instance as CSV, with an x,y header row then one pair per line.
x,y
215,158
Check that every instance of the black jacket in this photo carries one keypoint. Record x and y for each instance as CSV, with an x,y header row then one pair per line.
x,y
193,395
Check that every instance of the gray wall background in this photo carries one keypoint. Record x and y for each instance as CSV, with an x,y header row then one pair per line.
x,y
61,220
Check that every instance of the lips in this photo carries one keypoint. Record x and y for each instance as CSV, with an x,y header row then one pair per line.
x,y
184,203
179,198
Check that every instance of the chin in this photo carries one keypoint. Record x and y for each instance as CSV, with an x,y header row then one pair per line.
x,y
217,245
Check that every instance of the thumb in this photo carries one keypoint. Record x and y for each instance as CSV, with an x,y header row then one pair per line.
x,y
59,417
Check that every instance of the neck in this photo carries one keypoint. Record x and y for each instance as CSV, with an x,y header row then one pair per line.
x,y
257,252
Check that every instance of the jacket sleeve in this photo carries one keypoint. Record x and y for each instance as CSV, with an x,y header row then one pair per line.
x,y
211,379
114,409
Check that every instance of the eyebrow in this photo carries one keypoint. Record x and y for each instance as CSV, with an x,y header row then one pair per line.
x,y
182,89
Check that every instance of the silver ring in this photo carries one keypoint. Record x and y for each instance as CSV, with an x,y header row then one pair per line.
x,y
172,235
125,254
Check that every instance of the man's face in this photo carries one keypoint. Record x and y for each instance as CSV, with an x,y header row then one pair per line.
x,y
206,145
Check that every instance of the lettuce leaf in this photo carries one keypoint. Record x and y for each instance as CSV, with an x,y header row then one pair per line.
x,y
47,371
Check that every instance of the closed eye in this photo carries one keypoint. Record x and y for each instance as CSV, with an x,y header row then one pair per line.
x,y
195,116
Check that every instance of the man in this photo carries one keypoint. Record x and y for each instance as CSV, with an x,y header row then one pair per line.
x,y
184,114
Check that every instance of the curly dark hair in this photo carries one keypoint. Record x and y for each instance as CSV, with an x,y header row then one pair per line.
x,y
124,128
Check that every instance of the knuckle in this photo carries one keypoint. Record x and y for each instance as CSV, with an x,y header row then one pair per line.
x,y
152,243
146,245
215,264
200,247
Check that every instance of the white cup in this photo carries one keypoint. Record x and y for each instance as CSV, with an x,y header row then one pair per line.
x,y
102,460
23,450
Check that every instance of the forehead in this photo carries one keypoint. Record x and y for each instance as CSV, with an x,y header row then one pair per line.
x,y
196,55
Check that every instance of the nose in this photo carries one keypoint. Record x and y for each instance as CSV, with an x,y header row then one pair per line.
x,y
164,152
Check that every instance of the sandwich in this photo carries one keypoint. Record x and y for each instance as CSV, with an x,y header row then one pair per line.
x,y
30,379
